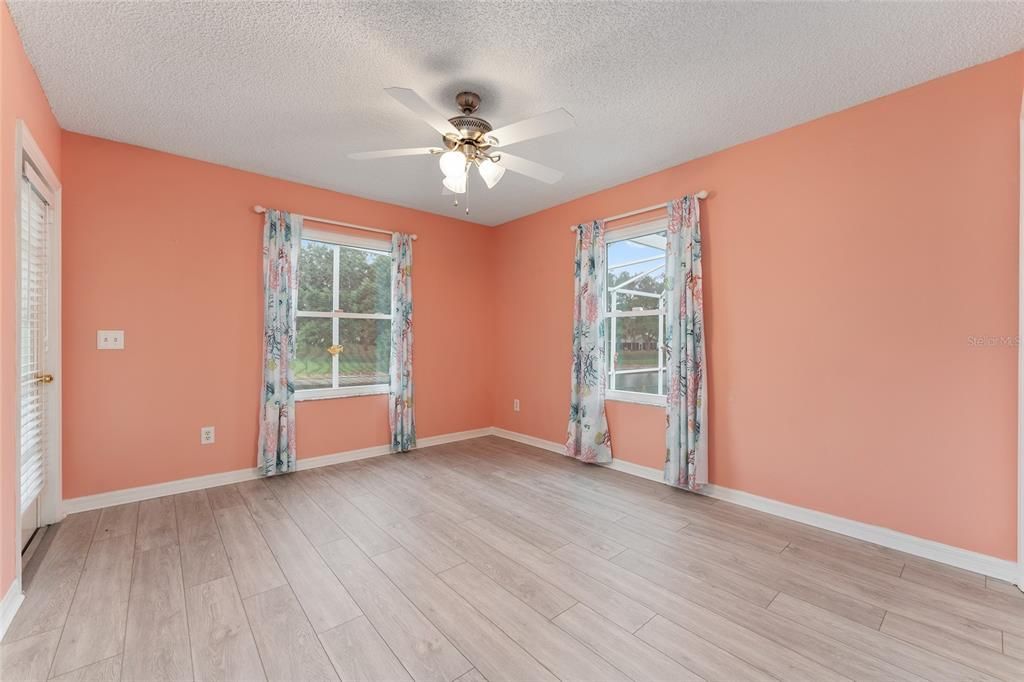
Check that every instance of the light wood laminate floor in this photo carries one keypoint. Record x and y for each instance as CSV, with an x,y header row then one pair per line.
x,y
490,560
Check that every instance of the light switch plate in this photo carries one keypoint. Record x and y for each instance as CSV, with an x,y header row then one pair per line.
x,y
110,339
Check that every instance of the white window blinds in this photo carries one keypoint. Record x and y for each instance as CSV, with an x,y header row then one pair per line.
x,y
36,214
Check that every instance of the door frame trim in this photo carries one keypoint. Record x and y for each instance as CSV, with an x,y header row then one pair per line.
x,y
50,499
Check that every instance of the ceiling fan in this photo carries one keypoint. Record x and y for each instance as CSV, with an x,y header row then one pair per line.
x,y
471,141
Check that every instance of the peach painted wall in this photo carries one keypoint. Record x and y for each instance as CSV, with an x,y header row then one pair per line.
x,y
169,249
21,97
848,263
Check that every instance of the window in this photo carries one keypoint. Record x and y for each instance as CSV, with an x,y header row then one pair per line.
x,y
343,321
635,312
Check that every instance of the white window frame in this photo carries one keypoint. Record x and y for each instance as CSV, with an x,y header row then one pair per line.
x,y
609,313
350,241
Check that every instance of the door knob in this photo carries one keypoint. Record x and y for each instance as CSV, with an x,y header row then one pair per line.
x,y
45,378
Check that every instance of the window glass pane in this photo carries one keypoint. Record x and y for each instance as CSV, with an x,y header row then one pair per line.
x,y
316,275
312,361
638,382
636,342
636,272
636,345
364,281
367,348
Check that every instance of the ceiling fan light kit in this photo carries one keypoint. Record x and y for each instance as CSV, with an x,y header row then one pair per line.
x,y
453,164
456,183
490,172
471,141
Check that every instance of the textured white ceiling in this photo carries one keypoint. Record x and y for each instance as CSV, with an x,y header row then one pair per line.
x,y
288,89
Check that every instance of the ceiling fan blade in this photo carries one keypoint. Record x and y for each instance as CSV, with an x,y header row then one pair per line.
x,y
419,106
530,169
388,153
552,122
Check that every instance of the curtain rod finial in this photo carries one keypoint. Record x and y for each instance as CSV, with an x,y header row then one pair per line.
x,y
259,209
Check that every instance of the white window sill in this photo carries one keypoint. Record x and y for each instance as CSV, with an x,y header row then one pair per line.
x,y
345,392
633,397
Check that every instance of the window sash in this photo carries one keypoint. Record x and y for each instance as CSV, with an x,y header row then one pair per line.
x,y
339,241
612,315
613,372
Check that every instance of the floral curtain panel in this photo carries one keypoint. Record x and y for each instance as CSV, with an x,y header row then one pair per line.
x,y
281,240
400,405
588,439
686,452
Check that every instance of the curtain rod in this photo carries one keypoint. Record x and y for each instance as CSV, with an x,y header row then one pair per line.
x,y
703,194
261,209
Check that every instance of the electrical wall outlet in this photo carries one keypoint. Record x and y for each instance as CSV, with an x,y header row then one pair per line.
x,y
206,435
110,339
515,404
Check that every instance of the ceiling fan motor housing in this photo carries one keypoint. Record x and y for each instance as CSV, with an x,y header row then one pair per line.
x,y
473,129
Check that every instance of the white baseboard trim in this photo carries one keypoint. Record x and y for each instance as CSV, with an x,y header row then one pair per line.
x,y
928,549
528,440
9,606
879,535
650,473
148,492
184,485
453,437
984,564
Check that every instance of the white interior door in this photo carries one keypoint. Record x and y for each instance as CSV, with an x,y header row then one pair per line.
x,y
35,312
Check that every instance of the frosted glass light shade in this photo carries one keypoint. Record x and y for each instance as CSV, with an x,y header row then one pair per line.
x,y
453,164
456,183
490,172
